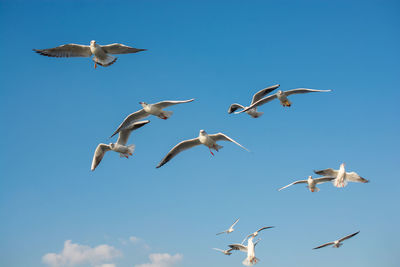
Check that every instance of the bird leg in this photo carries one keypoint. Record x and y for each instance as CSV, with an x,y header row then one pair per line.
x,y
95,65
211,151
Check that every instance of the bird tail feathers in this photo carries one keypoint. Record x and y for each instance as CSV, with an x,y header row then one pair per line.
x,y
105,62
257,114
166,114
250,262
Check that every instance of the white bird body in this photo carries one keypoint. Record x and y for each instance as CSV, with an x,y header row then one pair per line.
x,y
340,180
311,183
230,230
156,111
283,99
251,254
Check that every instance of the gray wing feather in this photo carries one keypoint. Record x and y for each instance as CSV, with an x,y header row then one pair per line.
x,y
179,148
223,137
327,172
348,236
238,247
99,154
140,114
260,94
259,102
324,245
303,91
297,182
167,103
234,107
323,179
126,132
120,49
354,177
67,50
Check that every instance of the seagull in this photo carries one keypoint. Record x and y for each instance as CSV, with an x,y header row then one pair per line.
x,y
311,183
256,232
209,140
341,176
226,252
282,97
100,52
257,96
230,230
337,243
249,249
150,109
120,146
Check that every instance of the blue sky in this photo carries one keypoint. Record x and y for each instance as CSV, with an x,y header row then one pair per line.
x,y
54,112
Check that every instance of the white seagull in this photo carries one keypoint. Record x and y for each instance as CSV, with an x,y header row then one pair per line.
x,y
249,249
100,52
230,230
337,243
257,96
150,109
282,97
209,140
120,146
311,183
226,252
341,176
256,232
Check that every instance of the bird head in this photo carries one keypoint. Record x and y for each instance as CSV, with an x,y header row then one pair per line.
x,y
93,42
143,104
202,132
279,92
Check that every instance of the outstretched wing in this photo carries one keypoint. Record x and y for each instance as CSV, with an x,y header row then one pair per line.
x,y
221,233
323,179
297,182
67,50
324,245
179,148
238,247
235,223
354,177
140,114
303,91
126,132
259,103
260,94
348,236
99,154
234,107
327,172
263,228
167,103
223,137
120,49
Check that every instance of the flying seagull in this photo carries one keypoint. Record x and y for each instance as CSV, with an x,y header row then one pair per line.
x,y
341,176
282,97
230,230
337,243
256,232
226,252
311,183
150,109
120,146
209,140
257,96
100,52
249,249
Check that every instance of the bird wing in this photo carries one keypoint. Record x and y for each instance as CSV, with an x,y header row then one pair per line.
x,y
297,182
167,103
99,154
263,228
223,137
260,94
234,107
324,245
179,148
238,247
126,132
67,50
258,240
327,172
120,49
354,177
259,103
218,249
348,236
221,233
235,223
323,179
303,91
140,114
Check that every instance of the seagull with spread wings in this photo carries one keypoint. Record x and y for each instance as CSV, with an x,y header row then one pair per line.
x,y
337,243
101,53
311,183
120,146
257,96
282,97
341,176
249,249
155,109
256,232
230,230
209,140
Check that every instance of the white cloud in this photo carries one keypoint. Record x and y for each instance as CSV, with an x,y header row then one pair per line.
x,y
134,239
162,260
75,254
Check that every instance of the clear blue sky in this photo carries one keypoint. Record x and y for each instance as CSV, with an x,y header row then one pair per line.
x,y
54,112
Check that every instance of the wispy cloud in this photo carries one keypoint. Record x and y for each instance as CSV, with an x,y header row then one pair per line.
x,y
162,260
75,254
134,239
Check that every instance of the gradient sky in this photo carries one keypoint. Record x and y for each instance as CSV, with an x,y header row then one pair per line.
x,y
54,112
